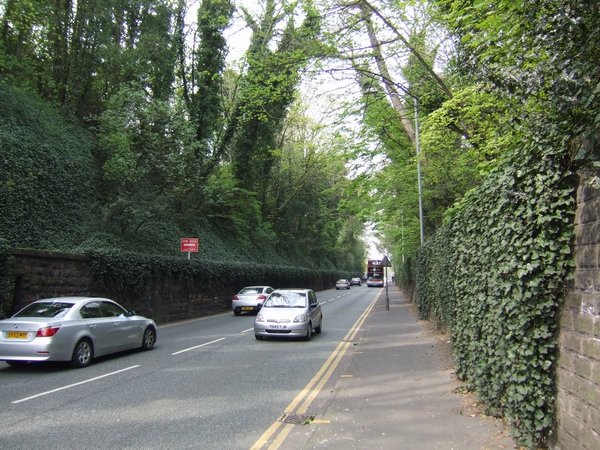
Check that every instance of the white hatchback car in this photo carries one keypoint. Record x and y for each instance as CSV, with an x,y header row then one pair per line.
x,y
342,284
289,313
250,299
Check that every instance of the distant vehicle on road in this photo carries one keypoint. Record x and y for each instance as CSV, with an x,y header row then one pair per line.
x,y
374,273
356,282
289,313
75,329
342,284
375,281
250,299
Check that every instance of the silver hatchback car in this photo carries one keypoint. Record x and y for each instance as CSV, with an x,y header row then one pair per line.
x,y
289,313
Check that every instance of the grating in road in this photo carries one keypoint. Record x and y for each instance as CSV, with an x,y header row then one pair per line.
x,y
297,419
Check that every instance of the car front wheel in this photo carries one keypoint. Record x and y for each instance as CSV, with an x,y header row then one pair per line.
x,y
320,327
308,332
149,339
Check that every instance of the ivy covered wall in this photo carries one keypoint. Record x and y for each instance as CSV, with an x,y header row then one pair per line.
x,y
164,288
495,276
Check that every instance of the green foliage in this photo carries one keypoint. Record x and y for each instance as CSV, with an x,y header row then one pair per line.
x,y
6,278
206,103
495,275
48,176
267,91
128,273
178,146
460,143
536,51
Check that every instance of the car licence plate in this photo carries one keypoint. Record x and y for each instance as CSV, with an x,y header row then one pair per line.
x,y
16,335
277,327
247,308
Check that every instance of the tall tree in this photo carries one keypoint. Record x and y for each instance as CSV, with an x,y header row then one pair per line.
x,y
275,59
206,103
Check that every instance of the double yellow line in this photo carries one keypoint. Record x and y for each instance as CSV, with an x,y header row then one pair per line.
x,y
303,400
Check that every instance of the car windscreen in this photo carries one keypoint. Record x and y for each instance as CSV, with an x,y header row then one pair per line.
x,y
255,290
286,300
45,309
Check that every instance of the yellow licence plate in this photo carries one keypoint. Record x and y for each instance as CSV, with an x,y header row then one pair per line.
x,y
247,308
16,335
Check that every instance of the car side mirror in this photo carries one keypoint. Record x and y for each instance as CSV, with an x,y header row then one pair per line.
x,y
130,313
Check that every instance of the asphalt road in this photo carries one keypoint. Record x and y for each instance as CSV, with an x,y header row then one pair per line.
x,y
208,384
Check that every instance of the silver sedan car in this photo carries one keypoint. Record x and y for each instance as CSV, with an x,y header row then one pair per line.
x,y
75,329
289,313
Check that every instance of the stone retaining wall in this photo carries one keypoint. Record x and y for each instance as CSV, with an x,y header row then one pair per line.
x,y
578,372
43,274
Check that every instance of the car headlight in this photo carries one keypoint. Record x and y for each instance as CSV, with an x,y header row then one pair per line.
x,y
300,318
260,317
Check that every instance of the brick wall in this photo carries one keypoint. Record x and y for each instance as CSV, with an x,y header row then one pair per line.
x,y
578,372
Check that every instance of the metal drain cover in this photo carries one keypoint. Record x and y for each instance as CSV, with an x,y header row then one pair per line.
x,y
297,419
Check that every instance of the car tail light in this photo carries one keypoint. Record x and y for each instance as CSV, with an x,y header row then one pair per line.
x,y
261,297
47,331
235,297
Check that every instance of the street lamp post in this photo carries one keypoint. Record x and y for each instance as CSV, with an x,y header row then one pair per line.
x,y
417,144
385,262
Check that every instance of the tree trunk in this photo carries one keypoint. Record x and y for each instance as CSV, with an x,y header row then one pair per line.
x,y
404,113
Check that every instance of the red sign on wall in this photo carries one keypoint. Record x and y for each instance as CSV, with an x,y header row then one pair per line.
x,y
189,245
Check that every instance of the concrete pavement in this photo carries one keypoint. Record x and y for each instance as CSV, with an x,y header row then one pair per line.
x,y
396,390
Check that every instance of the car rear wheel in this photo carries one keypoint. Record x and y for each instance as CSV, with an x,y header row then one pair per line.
x,y
83,353
149,339
16,363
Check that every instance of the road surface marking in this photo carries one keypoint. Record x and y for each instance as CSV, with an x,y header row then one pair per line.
x,y
196,346
73,385
309,393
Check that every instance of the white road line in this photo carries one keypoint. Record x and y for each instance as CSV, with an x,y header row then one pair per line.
x,y
197,346
73,385
249,329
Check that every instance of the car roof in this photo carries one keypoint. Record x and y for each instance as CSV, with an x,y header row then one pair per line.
x,y
292,290
75,300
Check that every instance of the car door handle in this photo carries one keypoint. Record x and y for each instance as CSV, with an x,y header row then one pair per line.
x,y
93,325
117,324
